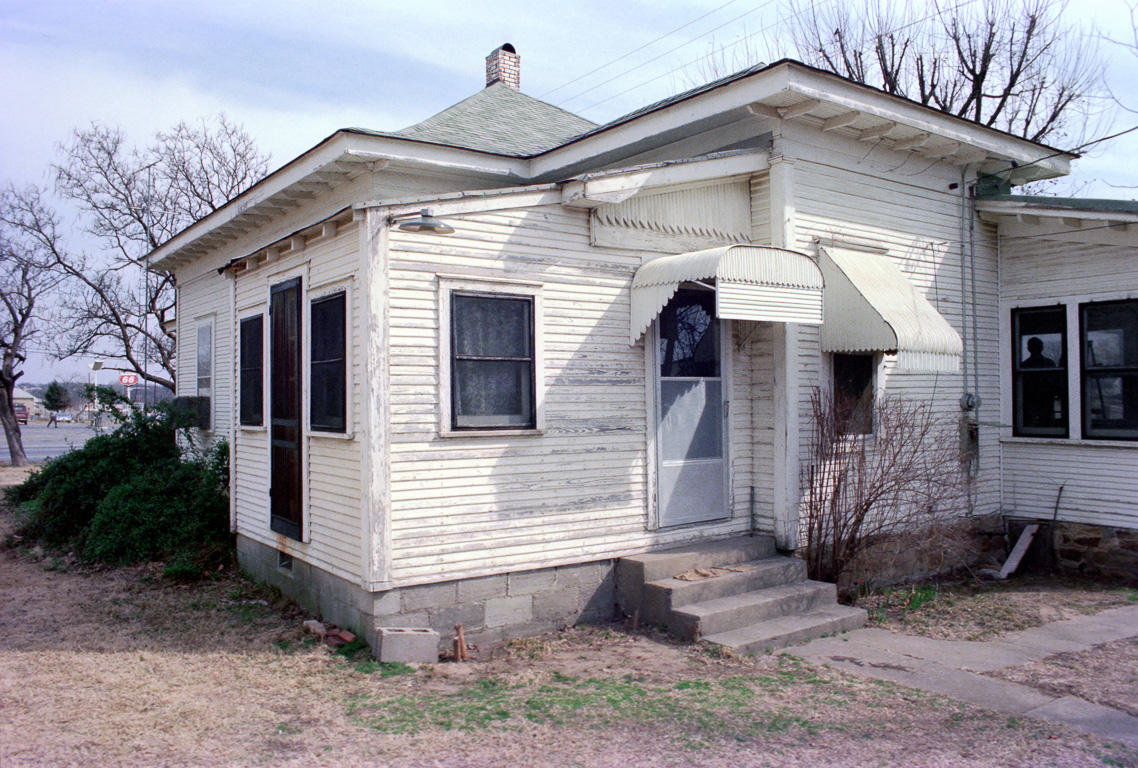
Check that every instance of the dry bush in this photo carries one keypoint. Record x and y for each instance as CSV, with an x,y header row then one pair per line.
x,y
860,490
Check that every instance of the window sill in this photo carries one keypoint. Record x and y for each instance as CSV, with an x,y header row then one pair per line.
x,y
1070,441
448,433
332,435
252,428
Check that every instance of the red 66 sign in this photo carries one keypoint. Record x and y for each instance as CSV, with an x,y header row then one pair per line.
x,y
128,379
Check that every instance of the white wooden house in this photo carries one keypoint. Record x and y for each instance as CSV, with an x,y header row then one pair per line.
x,y
611,354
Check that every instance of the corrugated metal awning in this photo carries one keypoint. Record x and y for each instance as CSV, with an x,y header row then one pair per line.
x,y
872,307
752,282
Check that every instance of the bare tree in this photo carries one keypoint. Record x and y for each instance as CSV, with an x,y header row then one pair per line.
x,y
25,280
860,489
1011,65
131,200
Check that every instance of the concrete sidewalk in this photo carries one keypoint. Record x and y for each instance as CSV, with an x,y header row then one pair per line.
x,y
951,668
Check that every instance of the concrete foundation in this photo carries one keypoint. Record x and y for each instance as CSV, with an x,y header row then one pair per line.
x,y
491,609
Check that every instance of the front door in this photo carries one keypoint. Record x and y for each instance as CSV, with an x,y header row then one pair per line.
x,y
284,410
690,434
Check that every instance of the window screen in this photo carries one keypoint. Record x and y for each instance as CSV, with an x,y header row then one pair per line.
x,y
1109,333
328,370
492,362
1039,372
252,371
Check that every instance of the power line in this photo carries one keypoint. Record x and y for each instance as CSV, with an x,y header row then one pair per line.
x,y
811,7
637,50
662,55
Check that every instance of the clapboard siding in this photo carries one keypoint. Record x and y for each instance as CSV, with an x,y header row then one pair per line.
x,y
910,212
1099,478
1099,482
332,463
465,506
206,299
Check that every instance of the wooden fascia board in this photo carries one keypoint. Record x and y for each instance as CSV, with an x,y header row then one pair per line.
x,y
850,96
616,187
1004,210
747,97
1098,233
465,203
307,169
732,97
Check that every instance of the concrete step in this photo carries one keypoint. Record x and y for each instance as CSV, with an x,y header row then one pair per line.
x,y
634,571
790,630
653,566
662,597
724,614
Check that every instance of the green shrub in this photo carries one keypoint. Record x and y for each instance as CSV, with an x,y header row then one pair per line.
x,y
137,494
161,512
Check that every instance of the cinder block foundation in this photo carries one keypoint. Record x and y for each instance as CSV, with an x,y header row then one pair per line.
x,y
491,609
410,646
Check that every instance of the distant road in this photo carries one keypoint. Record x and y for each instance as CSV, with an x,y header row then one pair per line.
x,y
42,443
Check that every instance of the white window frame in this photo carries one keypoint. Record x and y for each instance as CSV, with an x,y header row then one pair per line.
x,y
206,323
315,294
449,284
263,313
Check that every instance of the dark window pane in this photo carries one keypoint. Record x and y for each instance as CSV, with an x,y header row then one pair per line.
x,y
1110,335
328,371
492,364
689,336
491,327
1039,362
1110,370
853,392
252,376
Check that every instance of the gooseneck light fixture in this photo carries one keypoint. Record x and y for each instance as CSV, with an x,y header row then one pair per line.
x,y
423,222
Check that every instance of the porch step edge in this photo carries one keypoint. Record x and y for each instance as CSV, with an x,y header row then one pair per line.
x,y
790,630
724,614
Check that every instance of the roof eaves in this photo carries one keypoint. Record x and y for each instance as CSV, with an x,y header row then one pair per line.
x,y
793,66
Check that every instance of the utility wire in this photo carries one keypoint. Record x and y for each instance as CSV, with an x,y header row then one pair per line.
x,y
662,55
637,50
811,7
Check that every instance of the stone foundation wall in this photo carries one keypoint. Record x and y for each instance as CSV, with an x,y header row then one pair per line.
x,y
491,609
1097,550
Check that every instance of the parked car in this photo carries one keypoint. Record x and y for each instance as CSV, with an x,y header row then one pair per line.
x,y
21,413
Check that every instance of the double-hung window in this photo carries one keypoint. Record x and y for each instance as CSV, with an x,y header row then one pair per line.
x,y
1039,372
492,361
490,356
1109,345
328,370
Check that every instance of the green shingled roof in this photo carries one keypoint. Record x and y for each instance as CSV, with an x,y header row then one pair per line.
x,y
501,120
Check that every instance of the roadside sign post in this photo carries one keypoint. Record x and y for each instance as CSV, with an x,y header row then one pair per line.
x,y
128,380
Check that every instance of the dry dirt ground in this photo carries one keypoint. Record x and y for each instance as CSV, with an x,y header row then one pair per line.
x,y
124,668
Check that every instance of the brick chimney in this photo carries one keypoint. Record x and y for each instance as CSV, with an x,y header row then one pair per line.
x,y
504,64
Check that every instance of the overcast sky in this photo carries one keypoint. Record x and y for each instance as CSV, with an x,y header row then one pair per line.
x,y
294,72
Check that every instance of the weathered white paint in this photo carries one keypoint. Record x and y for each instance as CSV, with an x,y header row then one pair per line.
x,y
843,194
470,505
1099,478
